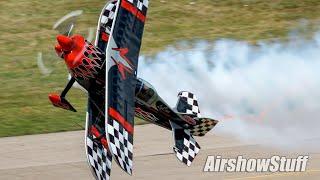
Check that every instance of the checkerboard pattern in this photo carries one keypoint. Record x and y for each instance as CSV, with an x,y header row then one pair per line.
x,y
188,103
142,5
186,148
190,149
203,126
107,15
120,144
99,159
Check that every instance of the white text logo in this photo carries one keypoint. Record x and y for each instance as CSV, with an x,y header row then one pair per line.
x,y
272,164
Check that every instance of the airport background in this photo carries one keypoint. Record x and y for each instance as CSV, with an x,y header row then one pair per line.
x,y
253,64
26,30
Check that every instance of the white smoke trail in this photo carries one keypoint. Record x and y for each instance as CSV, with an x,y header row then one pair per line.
x,y
271,90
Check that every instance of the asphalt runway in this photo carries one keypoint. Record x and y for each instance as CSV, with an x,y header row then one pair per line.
x,y
62,156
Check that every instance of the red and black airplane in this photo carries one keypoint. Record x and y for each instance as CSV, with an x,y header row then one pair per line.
x,y
107,69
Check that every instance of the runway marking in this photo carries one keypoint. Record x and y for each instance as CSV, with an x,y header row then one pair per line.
x,y
279,174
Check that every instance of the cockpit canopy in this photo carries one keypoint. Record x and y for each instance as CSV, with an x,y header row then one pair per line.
x,y
144,90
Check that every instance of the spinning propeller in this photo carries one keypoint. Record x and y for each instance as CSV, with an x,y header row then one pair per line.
x,y
65,49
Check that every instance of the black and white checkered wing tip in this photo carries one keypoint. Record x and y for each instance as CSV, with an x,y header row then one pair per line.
x,y
99,159
121,145
188,104
203,126
142,5
107,15
186,148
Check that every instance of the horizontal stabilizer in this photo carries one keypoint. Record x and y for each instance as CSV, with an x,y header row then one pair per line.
x,y
186,148
203,126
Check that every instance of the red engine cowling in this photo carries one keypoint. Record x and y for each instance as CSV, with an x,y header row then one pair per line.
x,y
84,61
82,58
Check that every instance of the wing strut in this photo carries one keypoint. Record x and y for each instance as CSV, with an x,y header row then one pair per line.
x,y
68,87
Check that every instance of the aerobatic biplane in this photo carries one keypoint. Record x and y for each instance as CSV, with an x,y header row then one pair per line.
x,y
107,70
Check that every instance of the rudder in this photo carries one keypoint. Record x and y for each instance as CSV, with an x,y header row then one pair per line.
x,y
188,104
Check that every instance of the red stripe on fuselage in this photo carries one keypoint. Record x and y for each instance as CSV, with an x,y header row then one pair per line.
x,y
120,119
134,10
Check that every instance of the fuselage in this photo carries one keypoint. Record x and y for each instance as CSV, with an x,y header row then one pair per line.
x,y
88,69
149,106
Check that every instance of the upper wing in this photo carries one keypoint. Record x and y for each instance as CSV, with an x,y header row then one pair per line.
x,y
122,62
